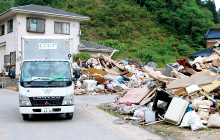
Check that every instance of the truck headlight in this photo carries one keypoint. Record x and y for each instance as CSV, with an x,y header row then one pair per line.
x,y
68,100
24,101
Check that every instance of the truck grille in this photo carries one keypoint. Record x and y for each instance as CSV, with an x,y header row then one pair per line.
x,y
46,101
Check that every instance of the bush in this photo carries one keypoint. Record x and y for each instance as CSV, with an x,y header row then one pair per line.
x,y
82,56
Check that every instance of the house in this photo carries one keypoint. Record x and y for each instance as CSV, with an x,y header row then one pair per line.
x,y
213,37
34,20
94,48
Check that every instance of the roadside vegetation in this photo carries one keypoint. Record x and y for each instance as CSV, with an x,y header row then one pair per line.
x,y
143,30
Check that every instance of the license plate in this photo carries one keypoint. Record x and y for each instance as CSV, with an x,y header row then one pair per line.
x,y
47,110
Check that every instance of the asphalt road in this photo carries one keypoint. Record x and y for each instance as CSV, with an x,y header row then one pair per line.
x,y
88,123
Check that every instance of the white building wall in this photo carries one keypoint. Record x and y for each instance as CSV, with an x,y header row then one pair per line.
x,y
49,28
13,40
9,38
213,40
2,50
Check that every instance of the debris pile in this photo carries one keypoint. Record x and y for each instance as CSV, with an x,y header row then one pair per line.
x,y
185,93
104,75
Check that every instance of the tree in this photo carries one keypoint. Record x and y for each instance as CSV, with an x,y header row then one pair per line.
x,y
210,4
4,5
38,2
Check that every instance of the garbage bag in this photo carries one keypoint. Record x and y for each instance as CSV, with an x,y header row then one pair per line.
x,y
192,119
214,121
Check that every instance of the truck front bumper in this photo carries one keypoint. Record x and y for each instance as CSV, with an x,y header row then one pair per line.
x,y
46,110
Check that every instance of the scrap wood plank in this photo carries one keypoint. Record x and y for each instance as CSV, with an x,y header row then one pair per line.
x,y
93,70
210,87
113,71
148,97
217,51
178,74
212,57
195,79
206,95
100,79
190,70
191,94
181,91
166,78
153,74
135,95
213,74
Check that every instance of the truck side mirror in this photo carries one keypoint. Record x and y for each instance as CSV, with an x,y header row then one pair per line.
x,y
12,73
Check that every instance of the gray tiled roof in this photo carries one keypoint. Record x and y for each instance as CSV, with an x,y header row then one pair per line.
x,y
202,53
91,46
46,10
213,33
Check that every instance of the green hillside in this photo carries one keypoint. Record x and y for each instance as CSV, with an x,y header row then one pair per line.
x,y
145,30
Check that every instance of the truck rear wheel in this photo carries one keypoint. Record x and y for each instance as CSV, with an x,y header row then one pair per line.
x,y
69,116
25,116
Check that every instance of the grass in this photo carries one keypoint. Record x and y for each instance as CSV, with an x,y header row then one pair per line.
x,y
106,109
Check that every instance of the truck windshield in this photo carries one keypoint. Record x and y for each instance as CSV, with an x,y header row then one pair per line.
x,y
50,71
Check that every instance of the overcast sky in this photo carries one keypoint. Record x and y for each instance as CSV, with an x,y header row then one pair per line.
x,y
217,3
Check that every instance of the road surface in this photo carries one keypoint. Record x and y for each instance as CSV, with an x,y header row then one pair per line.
x,y
88,123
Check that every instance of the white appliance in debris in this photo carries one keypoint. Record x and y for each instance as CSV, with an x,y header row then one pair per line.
x,y
176,110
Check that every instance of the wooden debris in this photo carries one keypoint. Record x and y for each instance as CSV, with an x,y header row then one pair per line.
x,y
212,86
148,97
196,79
180,92
178,75
135,95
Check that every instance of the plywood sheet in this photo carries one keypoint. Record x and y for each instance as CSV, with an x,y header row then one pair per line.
x,y
210,87
135,95
196,79
148,97
93,70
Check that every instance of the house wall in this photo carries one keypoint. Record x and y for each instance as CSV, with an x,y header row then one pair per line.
x,y
2,51
211,42
13,40
9,38
49,28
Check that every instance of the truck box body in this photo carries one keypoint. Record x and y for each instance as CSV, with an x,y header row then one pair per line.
x,y
42,48
46,85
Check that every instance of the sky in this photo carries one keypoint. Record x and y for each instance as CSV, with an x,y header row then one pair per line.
x,y
217,3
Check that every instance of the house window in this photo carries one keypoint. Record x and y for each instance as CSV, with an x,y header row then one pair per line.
x,y
10,26
2,29
35,25
61,28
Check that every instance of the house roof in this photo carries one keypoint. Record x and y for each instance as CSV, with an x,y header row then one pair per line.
x,y
91,46
202,53
42,10
213,33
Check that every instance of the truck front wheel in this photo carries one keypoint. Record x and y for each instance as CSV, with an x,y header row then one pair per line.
x,y
69,116
25,116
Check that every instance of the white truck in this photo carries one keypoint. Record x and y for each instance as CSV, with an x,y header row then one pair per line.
x,y
46,81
